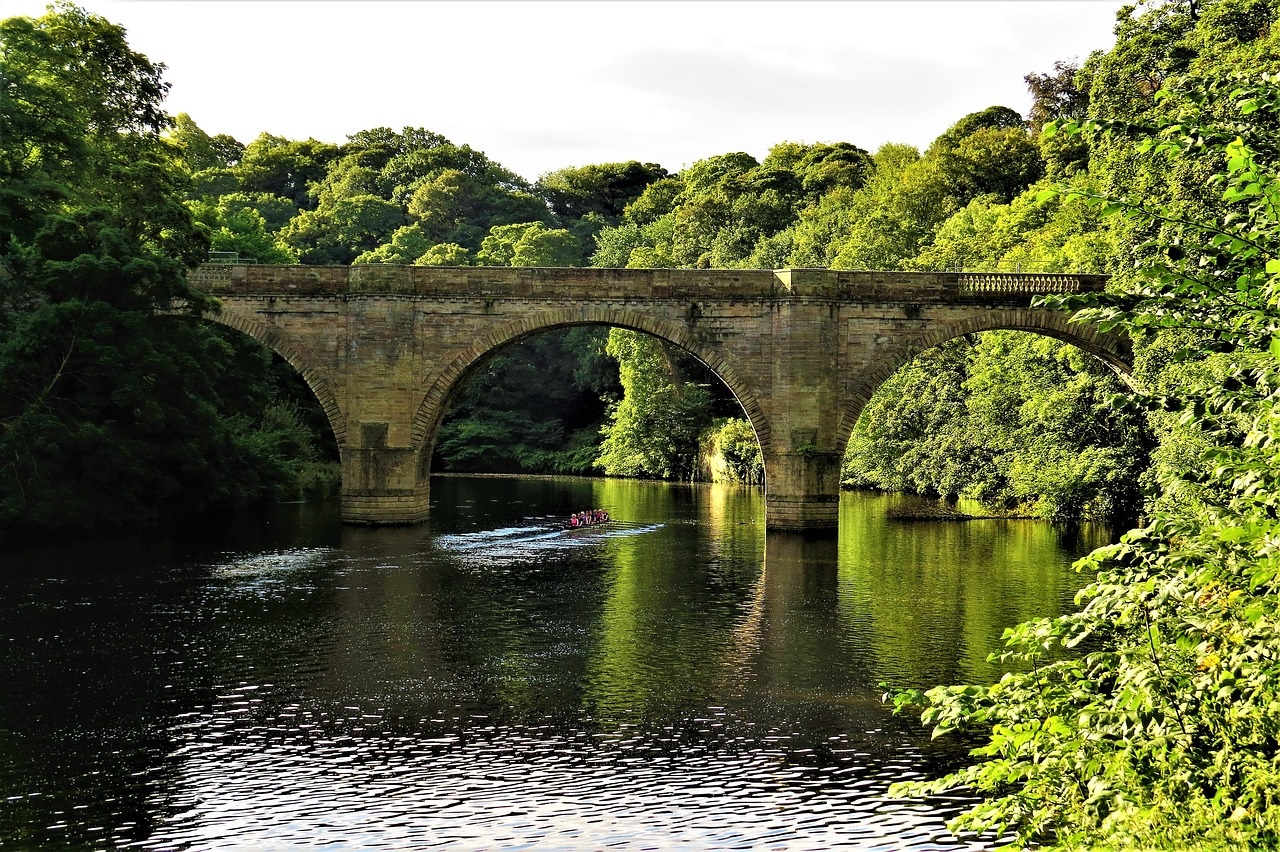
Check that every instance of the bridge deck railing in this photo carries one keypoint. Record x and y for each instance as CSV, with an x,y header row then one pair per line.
x,y
613,284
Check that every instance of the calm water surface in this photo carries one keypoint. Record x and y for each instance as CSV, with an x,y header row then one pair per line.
x,y
492,681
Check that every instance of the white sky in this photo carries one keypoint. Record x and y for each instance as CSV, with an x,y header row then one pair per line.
x,y
539,85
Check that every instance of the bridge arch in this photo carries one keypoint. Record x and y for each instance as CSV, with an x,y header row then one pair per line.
x,y
1113,350
431,410
297,356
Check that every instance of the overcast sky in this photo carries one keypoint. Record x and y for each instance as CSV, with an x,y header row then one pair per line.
x,y
542,85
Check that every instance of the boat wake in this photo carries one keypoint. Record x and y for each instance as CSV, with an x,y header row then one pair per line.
x,y
541,535
273,574
271,562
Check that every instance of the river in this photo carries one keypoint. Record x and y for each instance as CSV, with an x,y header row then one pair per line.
x,y
490,680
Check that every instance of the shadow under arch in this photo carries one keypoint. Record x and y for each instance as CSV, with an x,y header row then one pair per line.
x,y
1113,350
297,356
431,411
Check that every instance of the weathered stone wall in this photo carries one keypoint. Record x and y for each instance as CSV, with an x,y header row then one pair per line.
x,y
802,349
591,283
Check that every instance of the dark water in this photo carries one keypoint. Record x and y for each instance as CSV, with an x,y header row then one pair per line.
x,y
492,681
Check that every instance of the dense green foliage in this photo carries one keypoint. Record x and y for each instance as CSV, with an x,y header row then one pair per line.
x,y
660,416
730,211
116,405
1020,422
1148,718
733,441
669,400
535,406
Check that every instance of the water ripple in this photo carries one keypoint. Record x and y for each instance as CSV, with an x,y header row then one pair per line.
x,y
361,780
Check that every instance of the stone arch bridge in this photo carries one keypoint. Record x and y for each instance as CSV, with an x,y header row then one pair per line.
x,y
384,347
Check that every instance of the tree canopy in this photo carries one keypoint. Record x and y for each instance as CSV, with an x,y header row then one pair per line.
x,y
116,405
1146,718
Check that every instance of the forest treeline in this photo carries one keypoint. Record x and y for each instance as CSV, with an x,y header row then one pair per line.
x,y
109,200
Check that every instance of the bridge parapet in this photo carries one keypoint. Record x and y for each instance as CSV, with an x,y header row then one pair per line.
x,y
613,284
850,285
487,281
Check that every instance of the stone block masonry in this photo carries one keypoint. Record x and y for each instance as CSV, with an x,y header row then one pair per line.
x,y
383,347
